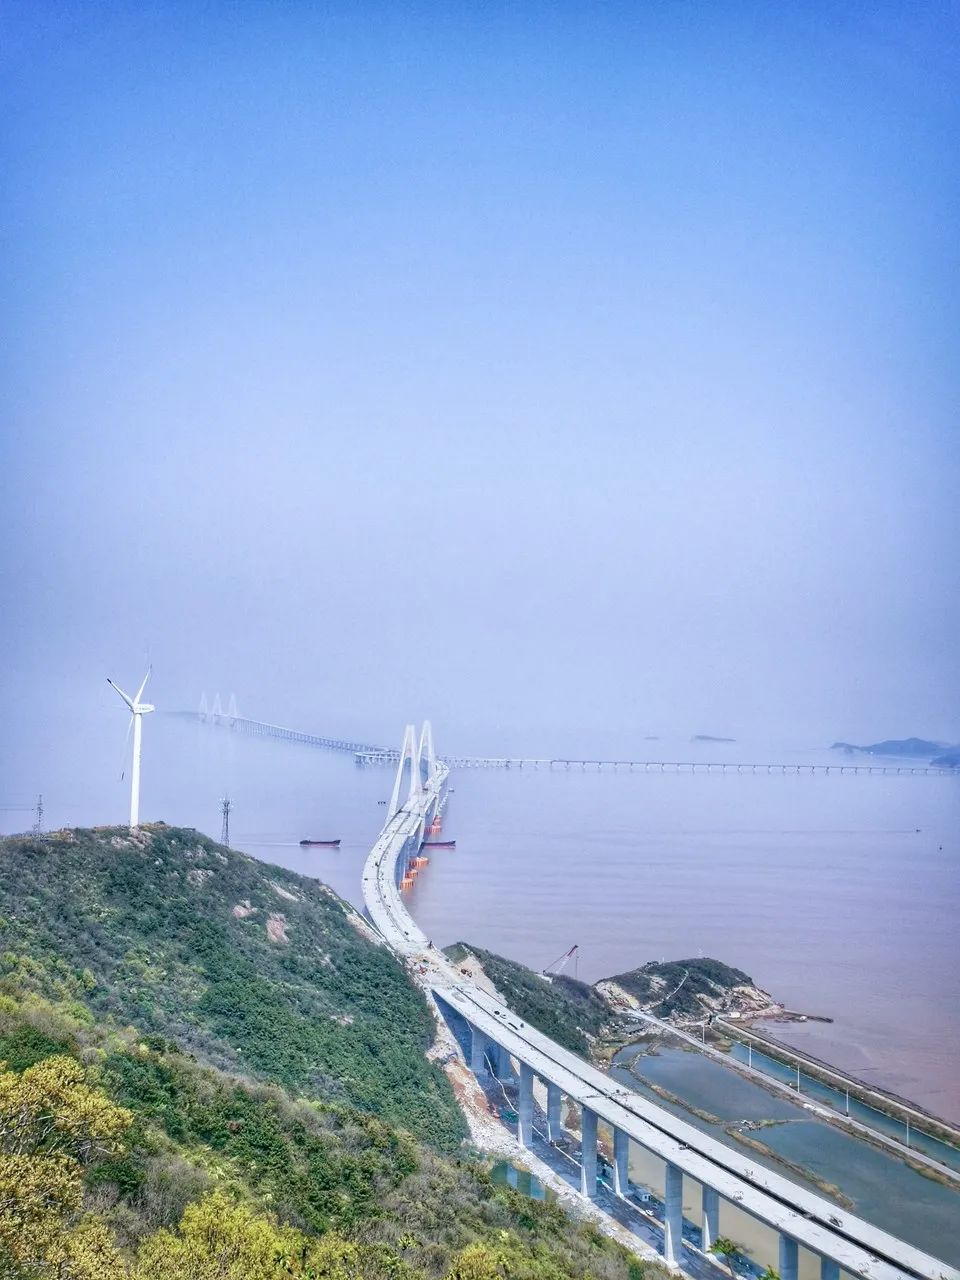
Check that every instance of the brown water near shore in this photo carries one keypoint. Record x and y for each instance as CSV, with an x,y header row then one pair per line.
x,y
822,888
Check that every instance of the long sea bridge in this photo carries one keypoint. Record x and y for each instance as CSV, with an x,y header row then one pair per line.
x,y
365,753
501,1045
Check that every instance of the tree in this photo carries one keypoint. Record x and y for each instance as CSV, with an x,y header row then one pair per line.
x,y
475,1262
52,1125
770,1273
329,1258
725,1248
50,1110
220,1240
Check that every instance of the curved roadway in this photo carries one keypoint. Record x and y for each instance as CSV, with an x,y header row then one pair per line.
x,y
813,1222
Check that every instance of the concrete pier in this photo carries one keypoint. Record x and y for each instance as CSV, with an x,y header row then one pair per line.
x,y
621,1162
711,1218
673,1215
588,1152
829,1270
525,1106
504,1063
478,1052
554,1121
789,1258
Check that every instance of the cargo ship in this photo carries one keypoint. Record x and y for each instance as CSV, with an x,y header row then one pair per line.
x,y
321,844
438,844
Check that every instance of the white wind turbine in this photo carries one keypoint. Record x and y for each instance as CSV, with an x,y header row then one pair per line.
x,y
138,710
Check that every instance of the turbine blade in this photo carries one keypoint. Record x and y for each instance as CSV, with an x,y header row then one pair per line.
x,y
125,696
144,685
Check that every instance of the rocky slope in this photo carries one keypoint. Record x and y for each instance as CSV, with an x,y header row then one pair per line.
x,y
589,1018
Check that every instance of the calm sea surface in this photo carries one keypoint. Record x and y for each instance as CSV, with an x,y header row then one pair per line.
x,y
839,895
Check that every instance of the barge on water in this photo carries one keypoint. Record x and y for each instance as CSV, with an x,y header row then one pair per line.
x,y
320,844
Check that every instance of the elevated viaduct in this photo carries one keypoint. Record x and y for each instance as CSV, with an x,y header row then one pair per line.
x,y
501,1040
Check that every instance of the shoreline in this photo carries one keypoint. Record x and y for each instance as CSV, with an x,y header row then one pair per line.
x,y
827,1073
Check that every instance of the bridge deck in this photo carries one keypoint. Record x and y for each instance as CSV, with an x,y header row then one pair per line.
x,y
366,753
857,1246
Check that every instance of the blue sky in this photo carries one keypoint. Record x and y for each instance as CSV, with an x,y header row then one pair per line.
x,y
548,369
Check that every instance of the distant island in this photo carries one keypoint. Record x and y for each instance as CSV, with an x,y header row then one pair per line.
x,y
706,737
939,754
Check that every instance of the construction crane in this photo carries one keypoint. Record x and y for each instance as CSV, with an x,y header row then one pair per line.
x,y
561,962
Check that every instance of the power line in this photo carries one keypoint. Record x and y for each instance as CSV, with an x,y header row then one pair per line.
x,y
225,807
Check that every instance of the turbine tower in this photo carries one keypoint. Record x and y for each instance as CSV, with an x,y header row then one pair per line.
x,y
138,710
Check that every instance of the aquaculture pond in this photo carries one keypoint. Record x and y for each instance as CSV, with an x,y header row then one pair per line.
x,y
717,1099
912,1135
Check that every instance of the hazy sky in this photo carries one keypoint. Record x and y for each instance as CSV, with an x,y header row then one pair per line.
x,y
548,369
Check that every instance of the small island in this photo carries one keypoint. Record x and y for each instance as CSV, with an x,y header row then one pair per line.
x,y
682,990
595,1019
939,754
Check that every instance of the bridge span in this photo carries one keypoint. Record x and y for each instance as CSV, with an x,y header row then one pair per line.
x,y
499,1038
365,753
384,756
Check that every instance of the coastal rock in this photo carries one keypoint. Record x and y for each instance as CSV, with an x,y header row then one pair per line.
x,y
277,927
685,990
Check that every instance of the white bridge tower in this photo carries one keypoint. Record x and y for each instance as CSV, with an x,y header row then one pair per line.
x,y
421,761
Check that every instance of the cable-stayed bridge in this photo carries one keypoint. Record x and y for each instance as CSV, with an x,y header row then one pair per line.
x,y
215,715
500,1045
365,753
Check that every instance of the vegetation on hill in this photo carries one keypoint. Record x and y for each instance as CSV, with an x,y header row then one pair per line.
x,y
568,1011
580,1016
123,1157
254,968
674,987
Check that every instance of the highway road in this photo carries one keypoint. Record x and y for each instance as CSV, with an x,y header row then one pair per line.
x,y
815,1223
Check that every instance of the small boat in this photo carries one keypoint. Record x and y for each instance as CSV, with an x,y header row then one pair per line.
x,y
321,844
438,844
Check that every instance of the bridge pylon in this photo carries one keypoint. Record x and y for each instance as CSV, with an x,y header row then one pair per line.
x,y
426,756
408,755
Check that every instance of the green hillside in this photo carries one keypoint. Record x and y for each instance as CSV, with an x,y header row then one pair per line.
x,y
201,1175
254,968
568,1011
128,1152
